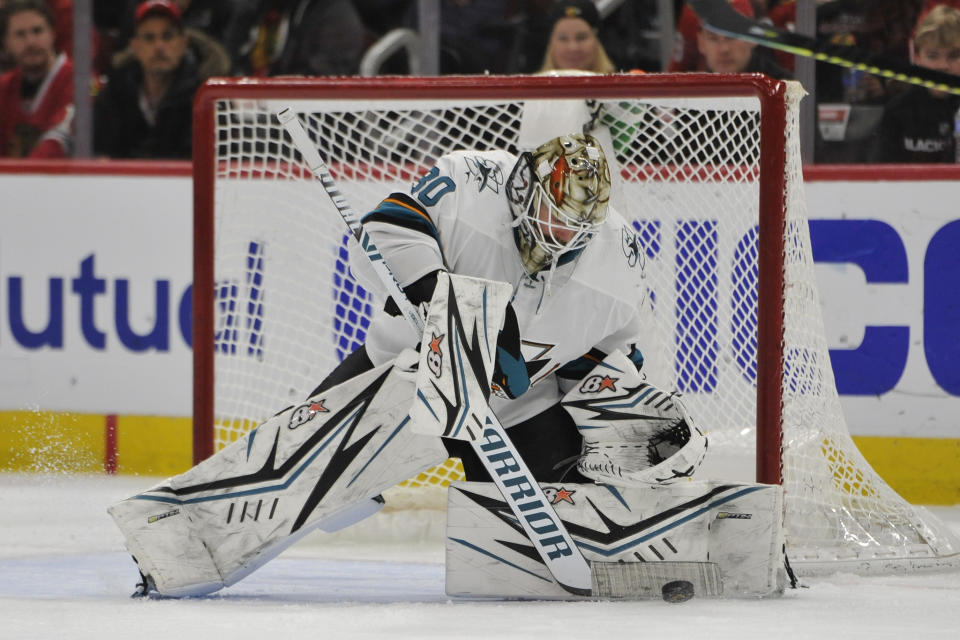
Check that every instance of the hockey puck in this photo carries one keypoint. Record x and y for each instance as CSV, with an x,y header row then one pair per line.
x,y
677,591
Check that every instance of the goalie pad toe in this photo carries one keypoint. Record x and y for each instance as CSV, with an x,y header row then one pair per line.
x,y
172,558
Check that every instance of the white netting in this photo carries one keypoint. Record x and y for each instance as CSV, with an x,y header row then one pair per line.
x,y
288,307
840,515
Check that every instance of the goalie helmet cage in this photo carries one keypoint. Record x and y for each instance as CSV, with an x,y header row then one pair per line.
x,y
706,169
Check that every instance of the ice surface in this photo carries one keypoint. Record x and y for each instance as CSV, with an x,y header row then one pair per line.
x,y
64,574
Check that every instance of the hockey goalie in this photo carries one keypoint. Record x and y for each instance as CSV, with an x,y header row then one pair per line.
x,y
533,292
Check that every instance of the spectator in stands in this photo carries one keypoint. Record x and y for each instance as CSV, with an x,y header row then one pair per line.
x,y
919,124
146,108
573,39
211,57
62,12
216,30
305,37
722,54
686,52
36,96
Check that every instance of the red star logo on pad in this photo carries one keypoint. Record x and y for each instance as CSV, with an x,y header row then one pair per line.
x,y
563,495
608,383
435,343
317,407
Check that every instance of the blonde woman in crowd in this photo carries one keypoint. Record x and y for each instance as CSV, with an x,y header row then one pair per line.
x,y
574,44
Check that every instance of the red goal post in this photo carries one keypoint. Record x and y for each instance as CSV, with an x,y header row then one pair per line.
x,y
707,172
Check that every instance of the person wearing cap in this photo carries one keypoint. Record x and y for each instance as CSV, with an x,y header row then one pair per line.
x,y
574,44
146,108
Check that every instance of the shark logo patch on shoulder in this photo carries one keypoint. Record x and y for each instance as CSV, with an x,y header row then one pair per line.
x,y
485,174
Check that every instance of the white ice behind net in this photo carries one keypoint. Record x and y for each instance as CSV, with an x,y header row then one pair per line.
x,y
288,307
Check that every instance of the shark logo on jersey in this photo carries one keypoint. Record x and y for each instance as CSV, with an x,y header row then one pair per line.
x,y
485,173
305,413
631,247
435,356
535,356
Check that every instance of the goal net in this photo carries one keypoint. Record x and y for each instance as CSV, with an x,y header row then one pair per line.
x,y
707,170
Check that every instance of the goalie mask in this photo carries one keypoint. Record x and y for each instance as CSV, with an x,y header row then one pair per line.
x,y
558,198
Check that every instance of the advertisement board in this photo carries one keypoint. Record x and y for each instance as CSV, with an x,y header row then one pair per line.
x,y
96,271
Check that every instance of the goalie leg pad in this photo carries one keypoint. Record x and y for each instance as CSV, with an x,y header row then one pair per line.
x,y
320,464
634,434
726,539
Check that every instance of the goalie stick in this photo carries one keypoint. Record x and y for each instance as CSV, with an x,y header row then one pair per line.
x,y
552,541
722,17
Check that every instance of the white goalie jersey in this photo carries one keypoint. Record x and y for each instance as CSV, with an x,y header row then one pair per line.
x,y
457,218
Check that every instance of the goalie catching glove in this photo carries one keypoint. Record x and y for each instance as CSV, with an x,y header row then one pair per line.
x,y
633,433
